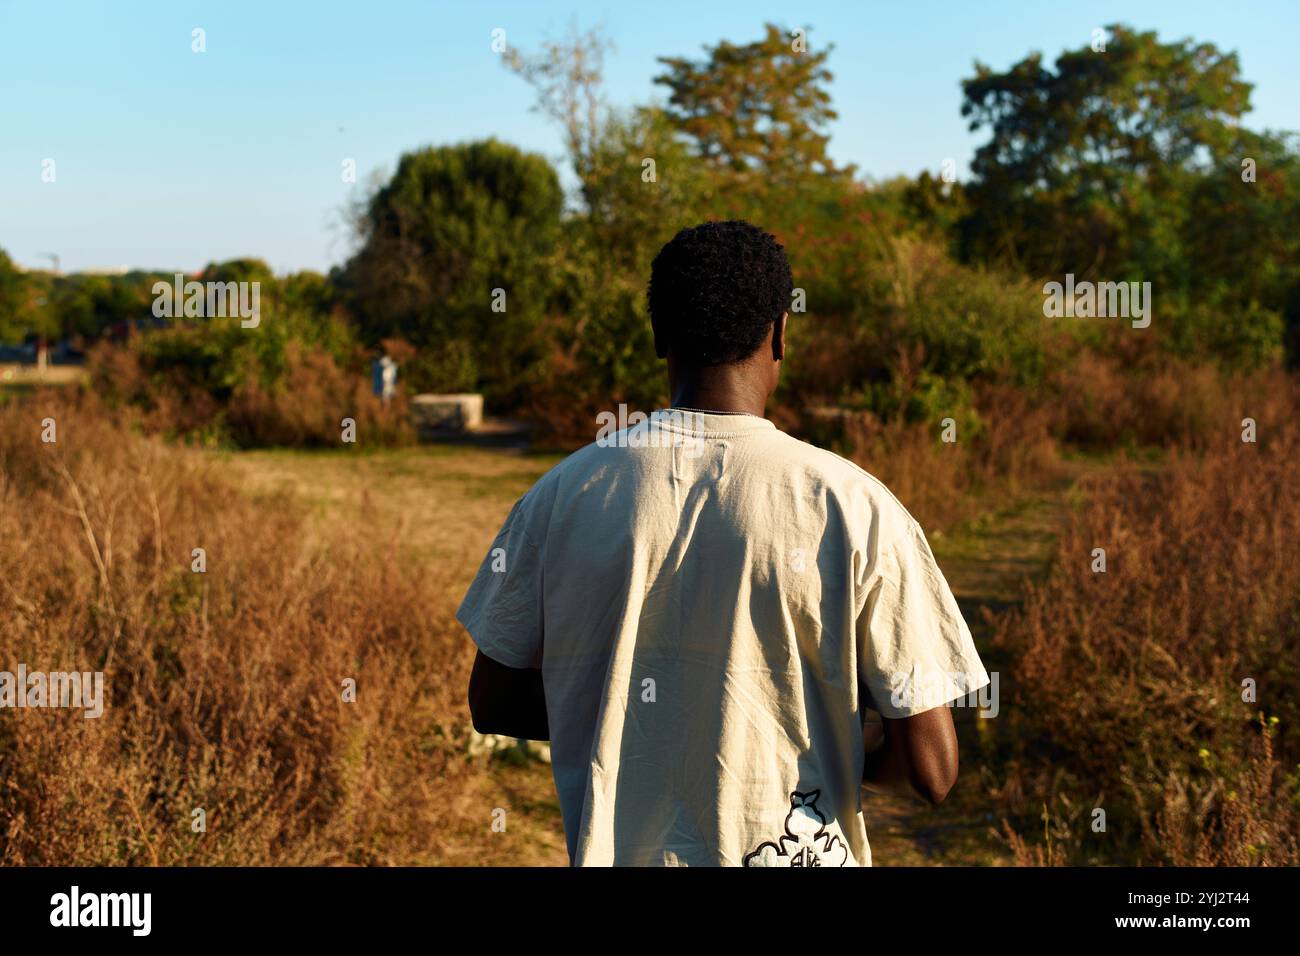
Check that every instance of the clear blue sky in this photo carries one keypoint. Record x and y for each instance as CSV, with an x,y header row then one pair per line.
x,y
169,159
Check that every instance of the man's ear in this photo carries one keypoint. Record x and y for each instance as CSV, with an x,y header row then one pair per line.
x,y
778,338
661,345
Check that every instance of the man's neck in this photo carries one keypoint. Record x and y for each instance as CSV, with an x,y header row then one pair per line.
x,y
727,389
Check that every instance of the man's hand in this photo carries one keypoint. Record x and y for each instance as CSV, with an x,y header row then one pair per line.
x,y
508,701
918,757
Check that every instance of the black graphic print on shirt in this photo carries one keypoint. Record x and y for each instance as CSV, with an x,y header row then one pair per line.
x,y
805,842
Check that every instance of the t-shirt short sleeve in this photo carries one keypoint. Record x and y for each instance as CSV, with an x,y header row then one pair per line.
x,y
915,651
503,608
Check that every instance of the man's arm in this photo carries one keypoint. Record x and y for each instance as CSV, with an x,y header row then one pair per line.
x,y
918,757
507,700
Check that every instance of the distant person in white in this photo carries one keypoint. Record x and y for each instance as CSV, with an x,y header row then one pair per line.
x,y
703,627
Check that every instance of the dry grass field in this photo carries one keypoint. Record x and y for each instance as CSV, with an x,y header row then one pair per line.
x,y
226,688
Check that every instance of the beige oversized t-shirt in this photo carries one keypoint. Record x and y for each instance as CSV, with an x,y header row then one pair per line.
x,y
707,599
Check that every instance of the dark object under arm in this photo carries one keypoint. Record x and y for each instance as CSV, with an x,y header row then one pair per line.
x,y
918,757
509,701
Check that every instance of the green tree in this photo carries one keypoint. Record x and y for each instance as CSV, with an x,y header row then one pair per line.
x,y
454,224
1089,163
309,291
16,301
241,270
1242,239
756,109
87,305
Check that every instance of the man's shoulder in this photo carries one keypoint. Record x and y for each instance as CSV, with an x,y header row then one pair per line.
x,y
578,466
841,477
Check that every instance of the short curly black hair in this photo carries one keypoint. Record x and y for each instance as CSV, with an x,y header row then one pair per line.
x,y
715,290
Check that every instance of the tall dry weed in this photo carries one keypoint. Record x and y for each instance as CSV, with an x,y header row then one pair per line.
x,y
224,688
1142,688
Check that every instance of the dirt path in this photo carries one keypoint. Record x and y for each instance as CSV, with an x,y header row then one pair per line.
x,y
986,562
443,504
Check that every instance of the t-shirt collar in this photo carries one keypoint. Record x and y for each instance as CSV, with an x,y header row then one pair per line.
x,y
701,422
